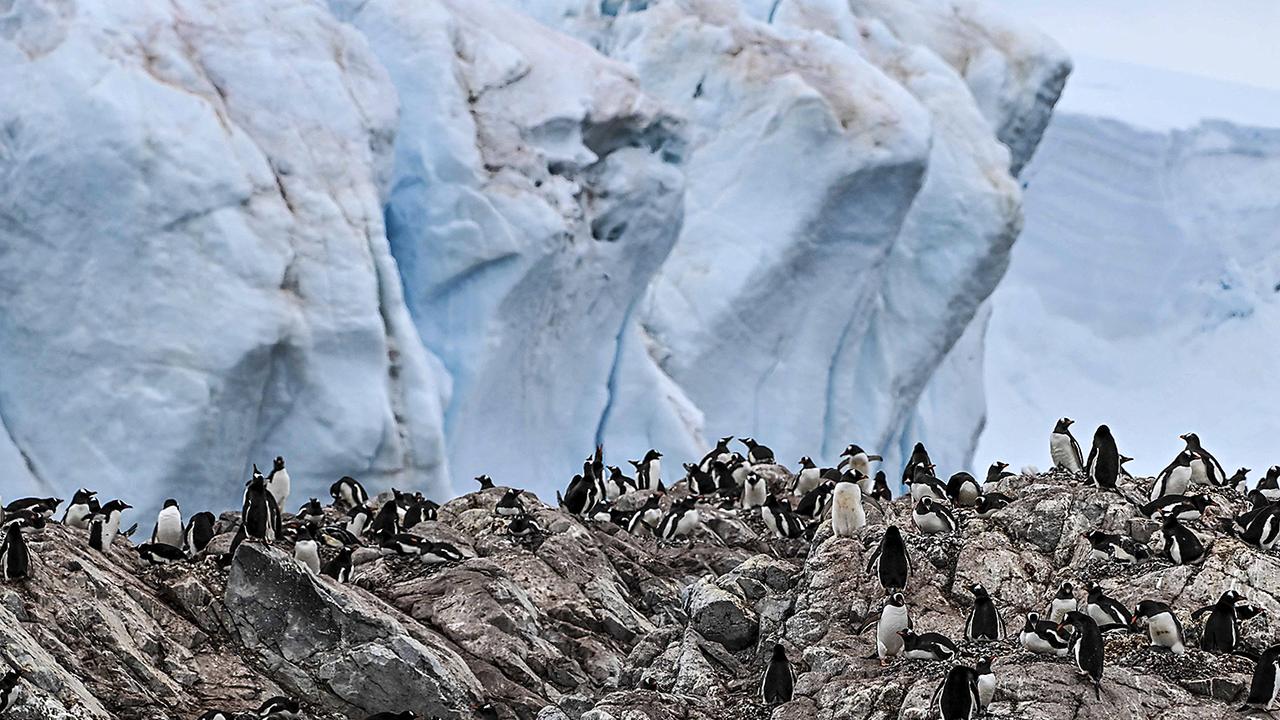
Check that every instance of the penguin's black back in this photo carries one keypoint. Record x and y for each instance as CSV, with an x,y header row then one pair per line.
x,y
778,683
958,692
894,565
984,620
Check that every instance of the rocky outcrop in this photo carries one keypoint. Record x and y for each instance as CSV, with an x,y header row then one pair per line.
x,y
587,622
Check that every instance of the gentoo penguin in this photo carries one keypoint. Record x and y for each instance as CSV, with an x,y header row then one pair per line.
x,y
754,491
10,692
421,511
957,698
815,502
336,536
339,568
509,504
405,544
279,708
105,525
158,553
919,456
1264,689
855,458
963,489
778,681
1174,479
1104,459
648,515
1259,527
924,484
926,646
358,518
893,619
1042,636
891,561
699,482
617,484
991,503
1222,631
198,533
386,522
311,512
932,517
168,529
278,483
1063,448
306,551
1163,626
727,486
1063,602
807,478
581,495
486,483
779,519
649,471
1124,470
435,553
719,453
739,467
1086,647
349,493
757,454
986,682
1239,481
681,521
1183,507
1269,485
1123,549
1205,468
1181,544
999,470
847,513
522,526
260,516
42,508
1105,610
880,487
83,504
984,621
15,559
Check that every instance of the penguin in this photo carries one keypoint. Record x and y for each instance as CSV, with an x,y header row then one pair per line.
x,y
43,508
486,483
158,553
278,483
1183,507
198,533
1259,527
279,708
1086,647
1042,637
83,504
718,453
168,529
15,558
1264,688
1163,626
1063,602
986,682
933,517
421,511
754,490
436,553
699,483
358,518
681,521
984,621
880,487
1239,481
727,487
348,492
336,536
926,646
808,477
891,560
815,502
649,471
1181,545
311,512
522,526
894,618
1124,470
649,515
963,489
855,458
1269,485
386,522
924,484
1106,611
757,454
1063,448
1123,549
104,526
779,681
510,503
1205,468
780,520
339,568
580,496
617,484
999,470
847,513
10,691
260,516
1104,459
991,503
306,551
405,544
957,698
1174,479
1221,632
919,457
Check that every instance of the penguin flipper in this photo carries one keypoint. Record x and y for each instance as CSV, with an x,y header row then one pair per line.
x,y
1195,614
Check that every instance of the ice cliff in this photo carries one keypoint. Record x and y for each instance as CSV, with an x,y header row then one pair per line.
x,y
418,241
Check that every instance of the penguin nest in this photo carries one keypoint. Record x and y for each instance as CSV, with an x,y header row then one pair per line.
x,y
1102,569
1134,651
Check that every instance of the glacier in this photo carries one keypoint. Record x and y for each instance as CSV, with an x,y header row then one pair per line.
x,y
417,241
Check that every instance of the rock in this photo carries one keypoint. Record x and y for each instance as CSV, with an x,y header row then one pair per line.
x,y
720,615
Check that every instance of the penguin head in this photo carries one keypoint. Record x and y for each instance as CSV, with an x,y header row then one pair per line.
x,y
1066,589
851,450
116,505
278,465
1231,597
779,652
984,665
723,443
925,505
897,600
171,503
1063,424
1102,432
749,442
1191,439
82,496
1033,617
652,455
893,531
978,590
906,633
485,481
999,465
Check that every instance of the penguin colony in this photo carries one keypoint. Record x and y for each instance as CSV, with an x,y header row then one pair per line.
x,y
1071,626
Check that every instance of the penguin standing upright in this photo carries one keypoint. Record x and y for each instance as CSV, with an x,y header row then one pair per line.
x,y
1063,448
617,484
168,529
260,516
894,618
880,487
957,698
15,558
1205,468
984,621
807,478
349,493
1106,611
699,482
1174,479
754,490
1181,544
986,682
1264,688
891,561
1063,602
847,513
778,682
649,471
681,521
278,483
1239,481
1221,632
855,458
306,551
83,505
780,520
1104,459
581,495
1086,647
919,457
339,568
105,525
719,453
198,533
1163,626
